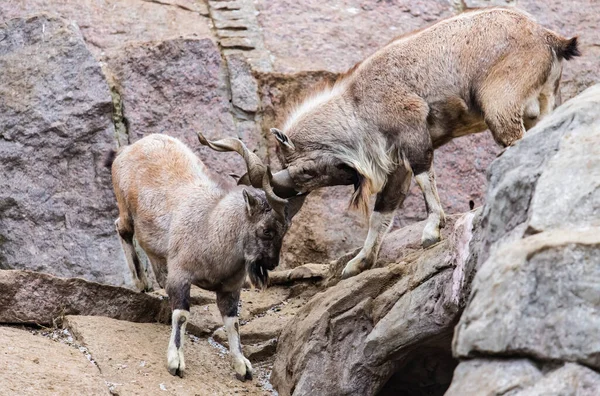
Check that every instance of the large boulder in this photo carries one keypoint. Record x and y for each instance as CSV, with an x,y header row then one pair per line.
x,y
387,329
535,297
41,299
56,205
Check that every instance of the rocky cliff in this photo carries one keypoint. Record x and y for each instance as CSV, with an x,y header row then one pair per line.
x,y
507,303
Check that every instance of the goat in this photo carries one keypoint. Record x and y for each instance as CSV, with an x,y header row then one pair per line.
x,y
197,231
380,122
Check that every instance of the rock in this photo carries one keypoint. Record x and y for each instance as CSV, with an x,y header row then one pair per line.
x,y
313,35
204,320
520,377
177,87
36,298
132,357
493,377
261,351
244,89
35,365
365,333
57,209
534,295
107,25
257,302
534,298
303,272
198,296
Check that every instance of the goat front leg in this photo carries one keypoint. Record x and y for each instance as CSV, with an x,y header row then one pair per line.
x,y
228,306
436,218
179,296
388,200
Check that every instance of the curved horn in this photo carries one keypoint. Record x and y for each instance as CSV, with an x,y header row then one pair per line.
x,y
278,204
256,169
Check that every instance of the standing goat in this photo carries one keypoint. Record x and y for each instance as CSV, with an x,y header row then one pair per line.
x,y
380,122
196,231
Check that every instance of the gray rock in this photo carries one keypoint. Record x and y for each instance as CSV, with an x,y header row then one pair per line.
x,y
521,377
537,297
536,294
244,89
35,298
486,377
56,205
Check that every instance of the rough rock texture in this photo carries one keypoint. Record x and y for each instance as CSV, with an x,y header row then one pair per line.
x,y
108,24
32,365
536,295
361,335
56,205
36,298
177,87
520,377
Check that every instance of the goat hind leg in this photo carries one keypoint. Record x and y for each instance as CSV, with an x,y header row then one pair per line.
x,y
179,296
436,219
228,306
125,232
391,197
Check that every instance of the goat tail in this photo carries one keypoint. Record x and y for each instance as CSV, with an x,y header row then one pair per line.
x,y
110,158
565,48
259,275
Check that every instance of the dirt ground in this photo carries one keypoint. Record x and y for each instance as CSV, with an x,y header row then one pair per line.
x,y
95,355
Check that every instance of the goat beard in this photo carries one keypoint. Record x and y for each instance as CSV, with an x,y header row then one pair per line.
x,y
258,274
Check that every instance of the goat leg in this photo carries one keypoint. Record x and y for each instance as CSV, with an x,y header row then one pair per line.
x,y
179,295
228,306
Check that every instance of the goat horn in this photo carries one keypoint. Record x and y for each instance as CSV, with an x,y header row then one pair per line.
x,y
256,169
278,204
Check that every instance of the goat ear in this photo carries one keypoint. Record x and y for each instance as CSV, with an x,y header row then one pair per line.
x,y
251,202
282,138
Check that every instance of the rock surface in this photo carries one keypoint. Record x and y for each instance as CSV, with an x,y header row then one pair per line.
x,y
535,296
36,298
56,205
353,337
108,24
520,377
33,365
177,87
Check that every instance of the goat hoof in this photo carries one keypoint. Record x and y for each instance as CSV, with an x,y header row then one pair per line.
x,y
176,371
243,369
430,241
349,272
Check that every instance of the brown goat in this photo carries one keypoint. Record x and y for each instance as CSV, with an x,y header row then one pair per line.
x,y
197,231
379,123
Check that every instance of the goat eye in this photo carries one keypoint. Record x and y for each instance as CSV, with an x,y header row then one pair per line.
x,y
268,233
